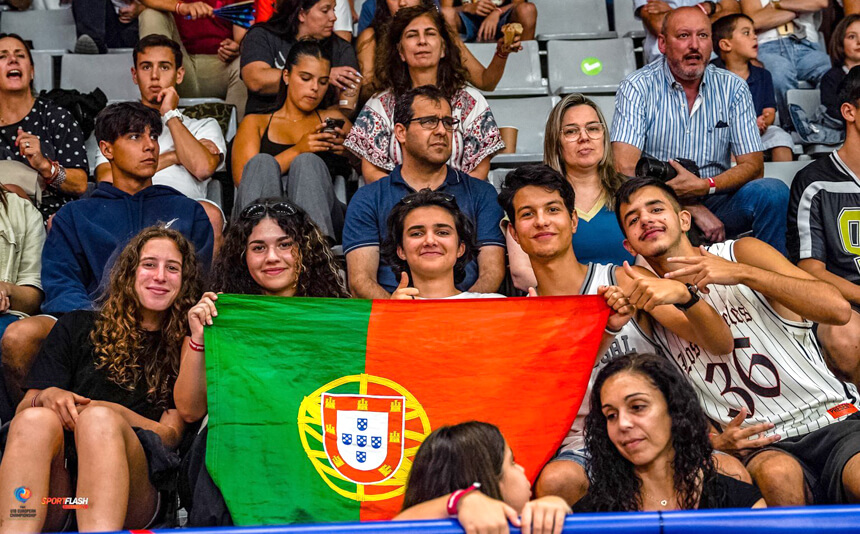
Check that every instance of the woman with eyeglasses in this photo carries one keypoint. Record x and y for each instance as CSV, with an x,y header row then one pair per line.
x,y
419,49
576,144
272,248
297,150
429,243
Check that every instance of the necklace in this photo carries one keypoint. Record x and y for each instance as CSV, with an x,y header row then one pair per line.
x,y
663,502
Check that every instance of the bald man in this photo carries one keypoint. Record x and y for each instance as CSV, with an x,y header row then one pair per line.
x,y
680,106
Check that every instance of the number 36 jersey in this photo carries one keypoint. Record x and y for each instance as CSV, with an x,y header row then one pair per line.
x,y
776,370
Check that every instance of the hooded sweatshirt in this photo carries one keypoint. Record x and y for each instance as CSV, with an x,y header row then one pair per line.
x,y
88,234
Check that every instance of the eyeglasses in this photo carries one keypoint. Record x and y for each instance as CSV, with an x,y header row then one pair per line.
x,y
409,199
431,122
258,211
593,130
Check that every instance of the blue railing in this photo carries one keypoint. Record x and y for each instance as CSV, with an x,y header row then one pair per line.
x,y
807,520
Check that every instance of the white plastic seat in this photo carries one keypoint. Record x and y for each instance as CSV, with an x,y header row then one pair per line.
x,y
522,75
52,29
529,116
784,170
43,70
109,72
572,19
626,23
589,66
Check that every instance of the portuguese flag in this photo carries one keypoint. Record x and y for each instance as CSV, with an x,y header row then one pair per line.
x,y
317,406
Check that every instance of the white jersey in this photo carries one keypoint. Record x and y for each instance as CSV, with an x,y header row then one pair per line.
x,y
630,340
776,370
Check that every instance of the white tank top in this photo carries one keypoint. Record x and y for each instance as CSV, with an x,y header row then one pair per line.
x,y
776,370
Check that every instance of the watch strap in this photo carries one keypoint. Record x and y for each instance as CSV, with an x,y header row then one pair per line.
x,y
694,298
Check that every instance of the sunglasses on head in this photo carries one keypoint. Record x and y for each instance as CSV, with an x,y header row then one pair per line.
x,y
407,200
258,211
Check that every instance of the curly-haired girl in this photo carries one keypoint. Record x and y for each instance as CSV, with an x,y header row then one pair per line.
x,y
649,444
98,420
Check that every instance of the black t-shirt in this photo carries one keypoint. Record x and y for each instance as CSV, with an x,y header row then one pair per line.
x,y
67,361
720,491
60,138
823,214
262,45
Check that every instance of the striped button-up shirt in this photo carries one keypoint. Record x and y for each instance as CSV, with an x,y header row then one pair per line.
x,y
651,114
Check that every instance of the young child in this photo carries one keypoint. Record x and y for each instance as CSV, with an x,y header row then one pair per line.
x,y
845,54
737,45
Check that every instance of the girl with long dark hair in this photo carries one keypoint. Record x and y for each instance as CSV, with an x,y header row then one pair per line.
x,y
649,444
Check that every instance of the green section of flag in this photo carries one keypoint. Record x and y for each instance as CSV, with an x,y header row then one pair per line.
x,y
246,356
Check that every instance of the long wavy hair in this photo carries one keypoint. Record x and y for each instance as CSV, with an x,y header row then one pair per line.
x,y
391,72
615,487
318,273
454,457
285,21
119,342
553,146
837,40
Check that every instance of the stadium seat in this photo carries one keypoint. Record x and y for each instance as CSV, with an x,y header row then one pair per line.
x,y
529,116
522,73
109,72
784,170
497,176
626,24
43,70
809,100
572,19
589,66
46,29
606,103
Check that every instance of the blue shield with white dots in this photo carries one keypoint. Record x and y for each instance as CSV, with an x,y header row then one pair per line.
x,y
376,442
361,441
346,438
361,457
362,424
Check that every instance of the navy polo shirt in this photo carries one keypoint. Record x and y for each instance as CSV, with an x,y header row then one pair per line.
x,y
760,83
367,216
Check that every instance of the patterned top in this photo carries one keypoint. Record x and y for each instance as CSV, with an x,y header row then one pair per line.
x,y
61,139
477,137
651,114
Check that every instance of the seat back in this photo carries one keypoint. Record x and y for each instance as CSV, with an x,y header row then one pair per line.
x,y
529,116
572,19
522,75
589,66
109,72
626,23
52,29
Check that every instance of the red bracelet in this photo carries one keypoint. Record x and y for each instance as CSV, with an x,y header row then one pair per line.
x,y
454,499
712,186
196,347
176,8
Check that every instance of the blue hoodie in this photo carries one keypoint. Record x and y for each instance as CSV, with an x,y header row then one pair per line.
x,y
87,235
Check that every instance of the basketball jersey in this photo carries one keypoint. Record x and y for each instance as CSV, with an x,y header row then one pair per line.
x,y
776,370
629,340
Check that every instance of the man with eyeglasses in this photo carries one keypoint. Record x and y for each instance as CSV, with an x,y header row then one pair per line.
x,y
423,126
680,106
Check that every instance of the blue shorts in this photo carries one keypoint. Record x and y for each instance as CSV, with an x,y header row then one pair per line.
x,y
472,23
579,456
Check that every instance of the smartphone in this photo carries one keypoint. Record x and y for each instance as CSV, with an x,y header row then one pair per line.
x,y
331,124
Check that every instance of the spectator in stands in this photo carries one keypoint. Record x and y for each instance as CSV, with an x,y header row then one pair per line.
x,y
736,43
682,107
653,12
273,248
87,235
210,46
845,54
103,24
540,203
265,50
21,284
429,243
98,419
788,44
475,457
190,150
822,210
38,133
482,20
423,126
649,444
576,144
483,78
419,50
792,420
293,150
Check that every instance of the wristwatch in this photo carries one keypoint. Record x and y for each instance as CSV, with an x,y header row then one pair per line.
x,y
173,113
694,298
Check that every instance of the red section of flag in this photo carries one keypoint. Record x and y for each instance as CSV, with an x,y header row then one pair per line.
x,y
522,364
